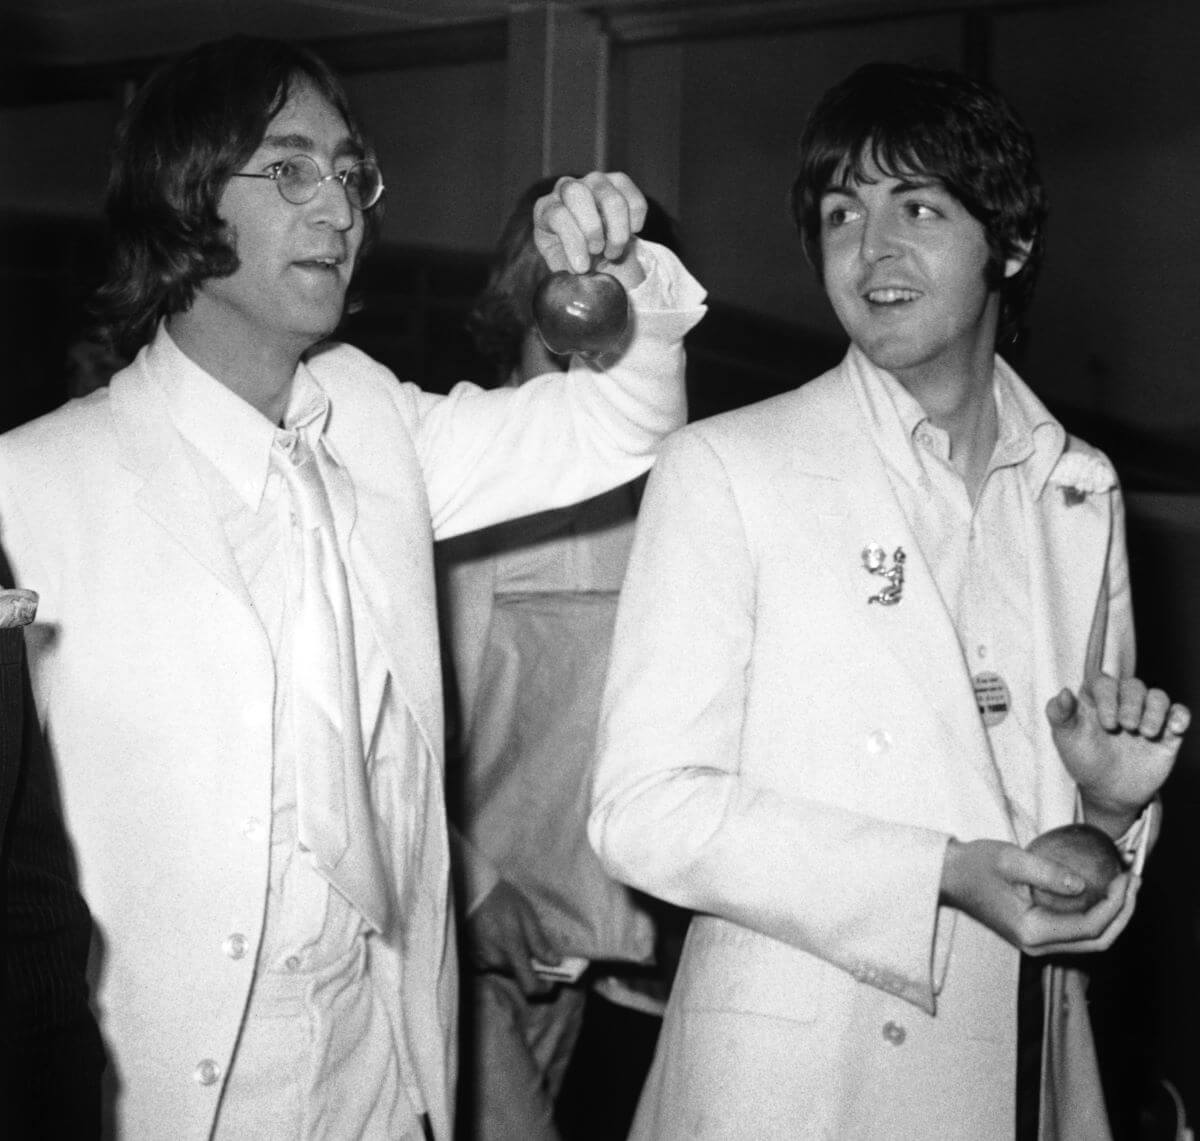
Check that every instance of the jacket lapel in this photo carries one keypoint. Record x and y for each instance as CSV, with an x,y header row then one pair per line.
x,y
1068,548
391,572
171,492
915,637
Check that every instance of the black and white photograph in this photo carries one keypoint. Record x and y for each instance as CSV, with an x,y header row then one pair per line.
x,y
599,570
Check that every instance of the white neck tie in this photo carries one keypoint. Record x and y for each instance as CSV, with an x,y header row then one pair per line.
x,y
334,819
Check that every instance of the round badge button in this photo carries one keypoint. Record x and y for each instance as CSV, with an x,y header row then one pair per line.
x,y
991,697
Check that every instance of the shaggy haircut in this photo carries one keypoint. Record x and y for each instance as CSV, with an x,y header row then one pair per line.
x,y
503,310
193,124
912,120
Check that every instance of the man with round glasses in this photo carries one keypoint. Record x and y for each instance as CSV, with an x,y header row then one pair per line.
x,y
299,178
235,657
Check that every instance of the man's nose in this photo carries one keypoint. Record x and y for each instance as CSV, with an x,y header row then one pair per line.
x,y
879,237
331,205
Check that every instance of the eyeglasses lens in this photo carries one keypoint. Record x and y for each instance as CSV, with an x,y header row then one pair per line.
x,y
299,178
363,185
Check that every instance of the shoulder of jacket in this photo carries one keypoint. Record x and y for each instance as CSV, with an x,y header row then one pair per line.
x,y
343,368
78,423
787,416
1081,446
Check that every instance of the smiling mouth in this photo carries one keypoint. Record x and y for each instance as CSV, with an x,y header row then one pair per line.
x,y
319,263
890,296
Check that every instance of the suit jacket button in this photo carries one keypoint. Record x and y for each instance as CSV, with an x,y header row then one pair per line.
x,y
252,828
879,742
894,1033
235,945
207,1072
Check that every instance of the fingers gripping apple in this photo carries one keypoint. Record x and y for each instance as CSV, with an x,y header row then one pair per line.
x,y
585,313
1087,851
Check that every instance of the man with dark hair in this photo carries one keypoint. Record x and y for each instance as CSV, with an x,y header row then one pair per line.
x,y
193,127
874,638
236,653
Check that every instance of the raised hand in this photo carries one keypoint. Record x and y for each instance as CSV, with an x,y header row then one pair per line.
x,y
1118,740
591,222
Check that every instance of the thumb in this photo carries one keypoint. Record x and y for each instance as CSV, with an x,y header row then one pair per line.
x,y
1062,710
1049,875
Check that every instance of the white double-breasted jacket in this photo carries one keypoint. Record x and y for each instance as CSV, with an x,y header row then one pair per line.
x,y
788,759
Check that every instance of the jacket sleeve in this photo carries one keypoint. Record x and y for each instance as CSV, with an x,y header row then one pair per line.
x,y
489,455
676,810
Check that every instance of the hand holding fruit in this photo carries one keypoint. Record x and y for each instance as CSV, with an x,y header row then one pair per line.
x,y
583,220
1084,850
585,313
998,884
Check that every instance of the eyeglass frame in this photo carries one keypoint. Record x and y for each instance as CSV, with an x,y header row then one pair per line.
x,y
272,173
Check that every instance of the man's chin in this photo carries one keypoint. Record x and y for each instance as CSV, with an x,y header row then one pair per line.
x,y
324,324
889,355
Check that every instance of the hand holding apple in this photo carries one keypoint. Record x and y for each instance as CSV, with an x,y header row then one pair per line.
x,y
584,313
992,881
1085,850
583,220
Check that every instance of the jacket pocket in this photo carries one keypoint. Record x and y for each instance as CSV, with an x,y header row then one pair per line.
x,y
726,967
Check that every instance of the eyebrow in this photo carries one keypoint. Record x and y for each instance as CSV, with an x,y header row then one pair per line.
x,y
903,186
346,148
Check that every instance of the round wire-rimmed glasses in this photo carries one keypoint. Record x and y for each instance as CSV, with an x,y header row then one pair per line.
x,y
299,178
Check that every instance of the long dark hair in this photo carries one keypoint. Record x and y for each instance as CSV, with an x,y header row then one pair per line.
x,y
194,122
912,120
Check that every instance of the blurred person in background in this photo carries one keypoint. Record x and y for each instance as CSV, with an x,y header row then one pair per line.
x,y
528,608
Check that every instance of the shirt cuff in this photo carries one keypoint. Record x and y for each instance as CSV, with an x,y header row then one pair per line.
x,y
1135,843
669,301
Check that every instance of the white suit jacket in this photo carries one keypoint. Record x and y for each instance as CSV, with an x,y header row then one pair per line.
x,y
155,680
788,760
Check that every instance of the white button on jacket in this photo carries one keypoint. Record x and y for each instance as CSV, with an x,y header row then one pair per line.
x,y
207,1072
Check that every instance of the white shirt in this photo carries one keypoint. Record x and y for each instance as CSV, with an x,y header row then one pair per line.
x,y
310,929
977,551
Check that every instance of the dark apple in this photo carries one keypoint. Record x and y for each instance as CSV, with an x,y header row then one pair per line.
x,y
585,313
1085,850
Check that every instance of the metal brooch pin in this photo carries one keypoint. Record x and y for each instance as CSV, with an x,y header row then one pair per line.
x,y
874,560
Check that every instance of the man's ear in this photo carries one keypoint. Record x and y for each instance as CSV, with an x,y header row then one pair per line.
x,y
1016,262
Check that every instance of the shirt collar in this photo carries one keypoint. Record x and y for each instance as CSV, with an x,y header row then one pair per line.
x,y
230,433
1029,434
1029,437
